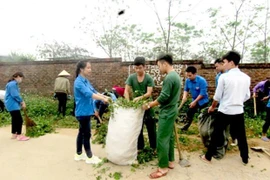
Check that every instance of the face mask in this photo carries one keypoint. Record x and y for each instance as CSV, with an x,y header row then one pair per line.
x,y
19,80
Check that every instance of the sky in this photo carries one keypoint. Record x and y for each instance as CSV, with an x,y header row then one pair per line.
x,y
25,24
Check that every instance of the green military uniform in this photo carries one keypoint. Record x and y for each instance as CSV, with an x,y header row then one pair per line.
x,y
139,89
168,100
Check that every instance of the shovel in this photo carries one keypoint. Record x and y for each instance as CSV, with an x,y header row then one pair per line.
x,y
183,162
260,149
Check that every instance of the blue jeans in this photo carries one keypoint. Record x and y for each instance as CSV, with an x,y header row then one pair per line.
x,y
84,134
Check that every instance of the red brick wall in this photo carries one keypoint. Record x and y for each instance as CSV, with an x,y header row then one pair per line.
x,y
40,75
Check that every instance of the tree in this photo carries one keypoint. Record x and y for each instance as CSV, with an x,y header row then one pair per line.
x,y
260,52
61,50
20,57
165,28
181,35
104,26
236,30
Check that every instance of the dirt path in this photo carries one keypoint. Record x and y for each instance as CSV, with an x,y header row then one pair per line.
x,y
50,157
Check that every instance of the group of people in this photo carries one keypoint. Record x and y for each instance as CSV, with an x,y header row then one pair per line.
x,y
138,86
232,90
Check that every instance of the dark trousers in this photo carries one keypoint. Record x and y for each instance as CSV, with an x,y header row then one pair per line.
x,y
267,121
16,122
190,114
84,134
260,105
237,125
101,109
2,106
150,123
62,103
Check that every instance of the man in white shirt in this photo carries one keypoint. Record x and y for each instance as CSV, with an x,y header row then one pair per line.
x,y
232,91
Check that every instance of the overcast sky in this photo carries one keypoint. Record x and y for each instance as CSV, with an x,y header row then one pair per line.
x,y
27,23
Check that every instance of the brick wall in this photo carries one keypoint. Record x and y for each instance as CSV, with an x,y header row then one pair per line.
x,y
40,75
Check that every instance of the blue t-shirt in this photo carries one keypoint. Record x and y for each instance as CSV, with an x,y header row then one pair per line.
x,y
113,97
12,97
83,91
197,87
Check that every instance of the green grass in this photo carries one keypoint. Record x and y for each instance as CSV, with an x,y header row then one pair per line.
x,y
43,111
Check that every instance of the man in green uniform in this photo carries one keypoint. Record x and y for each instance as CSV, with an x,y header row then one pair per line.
x,y
140,86
168,101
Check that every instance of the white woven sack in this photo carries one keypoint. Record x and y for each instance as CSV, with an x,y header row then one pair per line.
x,y
123,131
2,94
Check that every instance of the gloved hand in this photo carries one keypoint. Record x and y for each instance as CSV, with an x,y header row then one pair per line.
x,y
69,97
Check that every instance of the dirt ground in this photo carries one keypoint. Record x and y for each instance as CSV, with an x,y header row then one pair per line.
x,y
50,157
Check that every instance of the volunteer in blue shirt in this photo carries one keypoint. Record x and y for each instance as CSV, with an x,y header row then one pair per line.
x,y
219,68
84,94
197,86
13,103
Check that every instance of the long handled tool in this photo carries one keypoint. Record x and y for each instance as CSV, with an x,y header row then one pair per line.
x,y
183,162
28,122
100,120
255,106
260,149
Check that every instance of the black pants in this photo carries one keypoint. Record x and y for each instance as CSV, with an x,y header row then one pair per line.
x,y
150,123
84,135
2,106
260,105
267,121
62,103
102,108
16,122
190,114
237,124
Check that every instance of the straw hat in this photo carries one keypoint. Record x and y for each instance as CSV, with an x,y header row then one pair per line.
x,y
64,73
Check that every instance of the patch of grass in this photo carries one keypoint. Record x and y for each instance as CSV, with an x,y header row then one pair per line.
x,y
5,119
132,169
184,140
66,122
100,134
146,155
116,175
253,127
41,128
104,170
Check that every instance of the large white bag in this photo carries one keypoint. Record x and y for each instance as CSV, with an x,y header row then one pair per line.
x,y
2,94
123,130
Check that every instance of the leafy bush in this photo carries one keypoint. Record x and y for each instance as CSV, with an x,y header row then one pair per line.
x,y
146,155
100,134
5,119
43,111
43,126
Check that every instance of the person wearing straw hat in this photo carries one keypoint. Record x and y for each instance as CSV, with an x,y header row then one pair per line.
x,y
62,90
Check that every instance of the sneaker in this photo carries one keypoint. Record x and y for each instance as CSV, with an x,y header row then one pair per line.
x,y
93,160
245,162
22,138
234,142
80,157
265,139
